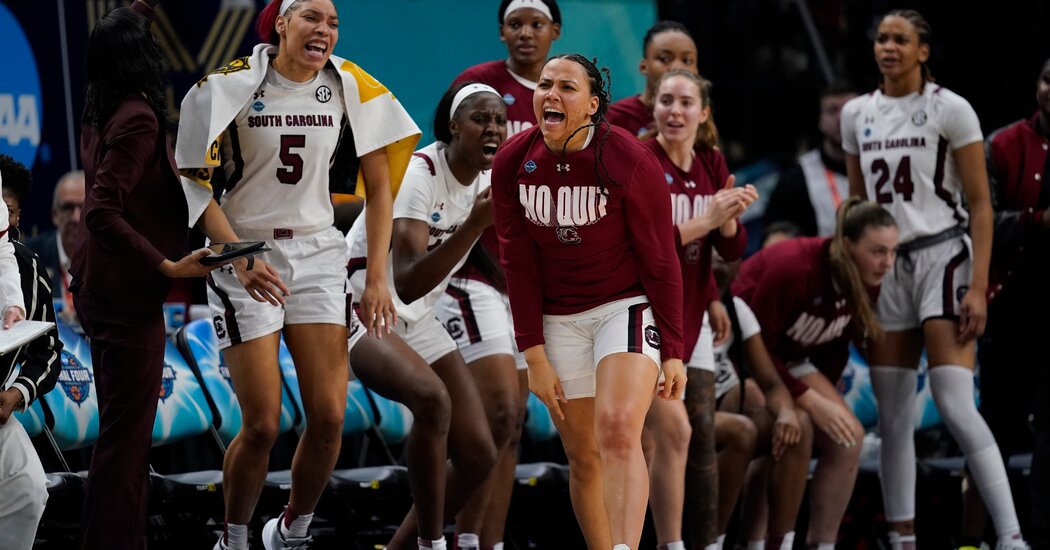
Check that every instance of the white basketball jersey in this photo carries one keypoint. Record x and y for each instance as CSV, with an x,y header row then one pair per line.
x,y
277,153
429,193
906,147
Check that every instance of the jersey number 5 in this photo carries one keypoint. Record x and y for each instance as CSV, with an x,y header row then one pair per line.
x,y
902,184
292,171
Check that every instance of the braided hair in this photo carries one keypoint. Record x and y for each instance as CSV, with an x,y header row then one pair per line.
x,y
600,81
923,29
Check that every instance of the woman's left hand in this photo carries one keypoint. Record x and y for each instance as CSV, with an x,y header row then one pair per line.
x,y
973,312
721,325
378,313
674,379
189,265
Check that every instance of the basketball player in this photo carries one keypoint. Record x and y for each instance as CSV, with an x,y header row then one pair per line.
x,y
755,402
916,148
667,45
527,27
300,107
440,211
602,319
704,207
475,309
811,297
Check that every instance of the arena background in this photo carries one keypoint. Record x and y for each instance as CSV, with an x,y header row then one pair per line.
x,y
759,53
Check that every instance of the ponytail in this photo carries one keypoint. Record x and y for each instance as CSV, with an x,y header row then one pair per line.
x,y
854,217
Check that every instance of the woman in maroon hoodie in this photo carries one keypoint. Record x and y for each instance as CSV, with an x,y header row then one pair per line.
x,y
812,296
584,221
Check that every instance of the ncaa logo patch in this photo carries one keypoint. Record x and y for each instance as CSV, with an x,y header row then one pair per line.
x,y
220,326
258,106
435,217
323,94
669,178
75,378
569,235
918,118
652,336
530,166
167,382
961,292
867,132
508,99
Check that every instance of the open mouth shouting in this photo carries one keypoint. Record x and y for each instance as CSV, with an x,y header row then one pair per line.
x,y
317,49
552,116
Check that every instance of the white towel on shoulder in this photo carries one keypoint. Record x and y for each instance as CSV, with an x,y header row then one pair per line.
x,y
377,120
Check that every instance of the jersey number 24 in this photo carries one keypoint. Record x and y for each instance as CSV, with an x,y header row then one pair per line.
x,y
902,184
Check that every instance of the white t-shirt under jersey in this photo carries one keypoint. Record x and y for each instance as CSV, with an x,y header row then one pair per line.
x,y
437,199
748,327
906,147
277,153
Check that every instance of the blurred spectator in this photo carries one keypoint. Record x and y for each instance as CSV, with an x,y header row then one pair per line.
x,y
1014,382
808,194
54,247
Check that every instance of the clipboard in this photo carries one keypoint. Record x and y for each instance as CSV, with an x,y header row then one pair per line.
x,y
22,333
235,251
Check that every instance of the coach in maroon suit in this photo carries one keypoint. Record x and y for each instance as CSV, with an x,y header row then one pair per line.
x,y
135,216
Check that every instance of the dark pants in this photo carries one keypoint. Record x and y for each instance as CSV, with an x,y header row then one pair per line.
x,y
127,352
1015,385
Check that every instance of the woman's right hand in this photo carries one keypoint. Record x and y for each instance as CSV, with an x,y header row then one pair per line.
x,y
481,212
262,281
730,202
830,417
787,431
544,382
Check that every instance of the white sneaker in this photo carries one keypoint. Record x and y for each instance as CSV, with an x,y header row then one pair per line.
x,y
219,544
273,539
1012,544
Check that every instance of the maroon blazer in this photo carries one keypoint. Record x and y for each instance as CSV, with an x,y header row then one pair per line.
x,y
135,212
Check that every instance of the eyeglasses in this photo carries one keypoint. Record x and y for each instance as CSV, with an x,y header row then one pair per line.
x,y
69,207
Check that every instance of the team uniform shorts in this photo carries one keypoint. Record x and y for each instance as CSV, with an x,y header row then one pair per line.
x,y
477,317
927,283
313,267
726,378
427,337
704,352
575,344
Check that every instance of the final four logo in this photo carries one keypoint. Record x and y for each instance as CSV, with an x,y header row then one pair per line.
x,y
75,378
167,382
